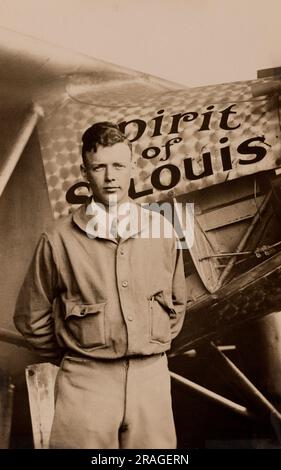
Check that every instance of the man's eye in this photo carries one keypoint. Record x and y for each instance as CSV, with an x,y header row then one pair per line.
x,y
119,165
97,168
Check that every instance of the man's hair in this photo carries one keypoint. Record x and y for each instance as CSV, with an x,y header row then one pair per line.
x,y
105,134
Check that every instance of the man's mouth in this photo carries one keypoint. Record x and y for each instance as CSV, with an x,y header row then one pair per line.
x,y
111,188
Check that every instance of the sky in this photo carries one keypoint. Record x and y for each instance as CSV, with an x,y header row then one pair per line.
x,y
191,42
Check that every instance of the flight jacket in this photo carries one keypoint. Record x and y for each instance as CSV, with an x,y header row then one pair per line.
x,y
100,298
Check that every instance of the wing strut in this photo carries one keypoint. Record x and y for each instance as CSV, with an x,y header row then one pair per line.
x,y
19,144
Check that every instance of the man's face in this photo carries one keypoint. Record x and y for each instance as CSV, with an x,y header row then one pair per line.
x,y
108,171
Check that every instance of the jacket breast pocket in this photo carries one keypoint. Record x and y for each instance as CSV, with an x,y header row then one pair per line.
x,y
159,317
86,323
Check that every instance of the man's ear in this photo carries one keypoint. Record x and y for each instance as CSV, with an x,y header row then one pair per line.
x,y
83,172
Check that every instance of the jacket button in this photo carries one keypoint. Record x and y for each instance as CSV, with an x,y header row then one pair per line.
x,y
130,318
83,311
121,252
124,283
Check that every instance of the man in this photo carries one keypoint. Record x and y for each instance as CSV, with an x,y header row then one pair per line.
x,y
109,302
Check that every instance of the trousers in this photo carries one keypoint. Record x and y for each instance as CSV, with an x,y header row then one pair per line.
x,y
113,404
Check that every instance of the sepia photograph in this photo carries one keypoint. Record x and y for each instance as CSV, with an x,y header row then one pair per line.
x,y
140,233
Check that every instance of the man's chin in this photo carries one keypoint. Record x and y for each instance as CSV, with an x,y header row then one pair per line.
x,y
111,199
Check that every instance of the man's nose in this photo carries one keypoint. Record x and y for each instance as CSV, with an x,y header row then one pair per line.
x,y
109,174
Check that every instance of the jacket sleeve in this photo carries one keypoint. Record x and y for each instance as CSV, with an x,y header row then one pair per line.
x,y
178,294
33,314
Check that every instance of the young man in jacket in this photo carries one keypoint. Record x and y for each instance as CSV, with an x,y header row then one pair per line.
x,y
105,297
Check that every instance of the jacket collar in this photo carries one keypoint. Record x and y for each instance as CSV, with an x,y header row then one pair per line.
x,y
95,221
